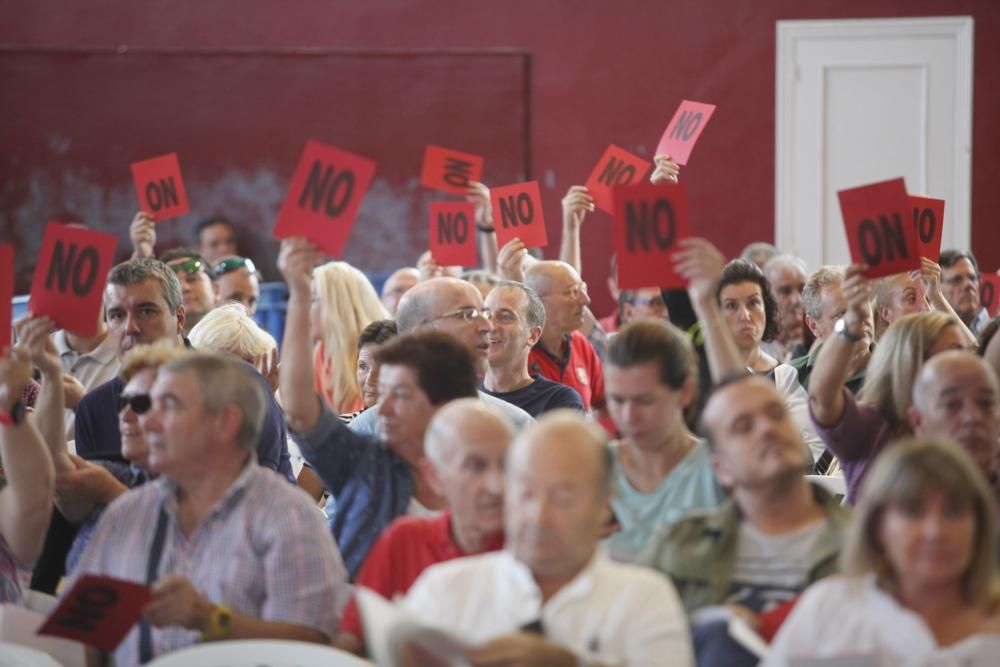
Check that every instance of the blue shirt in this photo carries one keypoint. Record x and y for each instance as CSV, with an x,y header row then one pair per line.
x,y
372,485
98,436
540,396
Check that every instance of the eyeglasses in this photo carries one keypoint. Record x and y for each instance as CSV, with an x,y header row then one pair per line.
x,y
188,266
467,314
141,403
232,263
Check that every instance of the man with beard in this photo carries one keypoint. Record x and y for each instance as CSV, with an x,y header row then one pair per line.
x,y
773,538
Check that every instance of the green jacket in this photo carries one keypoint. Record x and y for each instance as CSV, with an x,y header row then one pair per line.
x,y
804,367
698,552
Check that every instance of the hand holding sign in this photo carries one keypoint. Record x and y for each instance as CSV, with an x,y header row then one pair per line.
x,y
98,611
880,232
73,265
667,171
176,601
617,167
684,129
649,222
450,170
324,197
6,293
517,213
576,204
142,233
452,233
160,188
701,265
928,219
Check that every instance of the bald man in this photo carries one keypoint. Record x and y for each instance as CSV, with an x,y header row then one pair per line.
x,y
396,285
955,396
456,307
466,443
552,597
563,354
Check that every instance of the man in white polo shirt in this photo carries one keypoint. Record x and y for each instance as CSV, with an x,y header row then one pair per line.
x,y
552,598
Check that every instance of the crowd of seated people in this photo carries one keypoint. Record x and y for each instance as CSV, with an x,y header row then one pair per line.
x,y
801,452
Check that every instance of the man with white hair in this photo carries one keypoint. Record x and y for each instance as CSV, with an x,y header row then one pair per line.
x,y
787,275
552,597
465,444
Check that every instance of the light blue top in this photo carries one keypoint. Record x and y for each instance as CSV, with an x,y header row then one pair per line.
x,y
690,485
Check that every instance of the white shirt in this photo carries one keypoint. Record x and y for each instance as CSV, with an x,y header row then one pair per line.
x,y
367,421
841,616
617,614
92,368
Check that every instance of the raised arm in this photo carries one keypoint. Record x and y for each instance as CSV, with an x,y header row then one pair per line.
x,y
26,501
142,234
34,333
575,206
833,366
930,276
701,264
302,407
479,196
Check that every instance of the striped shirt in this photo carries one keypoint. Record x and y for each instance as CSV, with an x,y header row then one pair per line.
x,y
263,551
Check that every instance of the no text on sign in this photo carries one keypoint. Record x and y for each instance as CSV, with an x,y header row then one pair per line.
x,y
324,196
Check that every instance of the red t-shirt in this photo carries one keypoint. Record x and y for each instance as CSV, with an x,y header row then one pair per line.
x,y
408,546
580,369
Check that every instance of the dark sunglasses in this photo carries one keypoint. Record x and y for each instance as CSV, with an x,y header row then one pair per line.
x,y
232,263
141,403
188,266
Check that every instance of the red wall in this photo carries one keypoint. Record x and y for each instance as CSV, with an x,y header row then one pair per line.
x,y
600,72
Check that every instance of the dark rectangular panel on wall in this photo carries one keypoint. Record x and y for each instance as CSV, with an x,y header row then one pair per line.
x,y
238,120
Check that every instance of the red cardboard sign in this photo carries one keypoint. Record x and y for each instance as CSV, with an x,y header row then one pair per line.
x,y
649,222
6,294
880,232
684,129
928,220
452,233
69,279
98,611
324,197
450,170
617,167
989,293
160,188
517,213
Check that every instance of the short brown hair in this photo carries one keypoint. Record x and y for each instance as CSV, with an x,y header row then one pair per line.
x,y
444,366
653,341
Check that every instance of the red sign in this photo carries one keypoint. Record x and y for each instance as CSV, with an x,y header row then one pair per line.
x,y
6,294
69,280
880,232
928,220
617,167
517,213
98,611
449,170
324,197
452,233
684,129
160,188
989,293
649,222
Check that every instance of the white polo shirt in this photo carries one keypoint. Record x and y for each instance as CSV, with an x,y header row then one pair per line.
x,y
617,614
92,368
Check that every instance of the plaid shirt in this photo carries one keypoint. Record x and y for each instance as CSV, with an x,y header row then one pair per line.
x,y
263,551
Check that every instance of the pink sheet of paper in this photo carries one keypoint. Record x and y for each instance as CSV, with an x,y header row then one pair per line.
x,y
682,132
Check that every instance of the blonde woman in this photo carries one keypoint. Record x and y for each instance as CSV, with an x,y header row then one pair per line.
x,y
857,430
230,330
919,583
343,304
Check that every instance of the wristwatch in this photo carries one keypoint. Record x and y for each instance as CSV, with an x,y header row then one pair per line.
x,y
840,328
14,416
220,623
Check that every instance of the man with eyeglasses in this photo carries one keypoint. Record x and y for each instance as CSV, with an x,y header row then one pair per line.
x,y
197,287
518,318
455,306
635,304
236,280
563,354
960,284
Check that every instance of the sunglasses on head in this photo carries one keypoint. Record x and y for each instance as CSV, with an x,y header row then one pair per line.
x,y
188,266
140,403
232,263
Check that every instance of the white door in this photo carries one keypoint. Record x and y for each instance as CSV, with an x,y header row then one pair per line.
x,y
868,100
